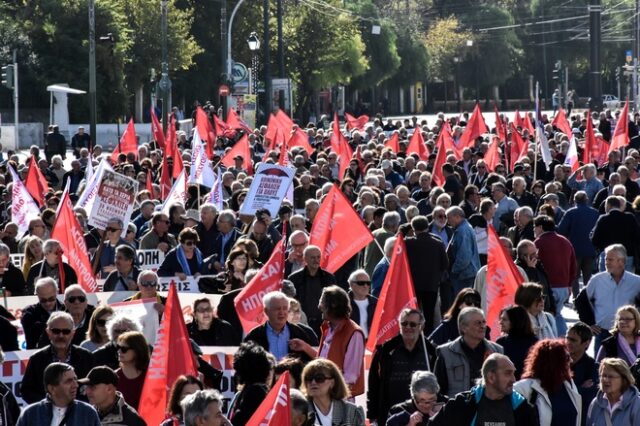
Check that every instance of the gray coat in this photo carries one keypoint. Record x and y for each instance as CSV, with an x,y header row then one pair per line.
x,y
344,414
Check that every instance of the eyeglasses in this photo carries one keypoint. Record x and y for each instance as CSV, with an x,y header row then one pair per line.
x,y
148,283
363,283
410,324
43,300
78,299
101,322
204,310
123,349
109,229
189,243
621,319
318,378
64,331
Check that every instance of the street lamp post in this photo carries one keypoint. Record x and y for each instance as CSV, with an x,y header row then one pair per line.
x,y
93,117
267,60
165,81
254,46
456,61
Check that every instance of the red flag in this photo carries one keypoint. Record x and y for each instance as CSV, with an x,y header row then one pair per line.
x,y
206,131
338,231
234,122
416,144
475,127
128,142
356,123
492,157
172,150
243,148
501,129
285,121
393,142
165,180
526,123
221,127
300,138
517,120
272,133
36,183
149,186
620,136
248,302
162,371
274,409
560,122
68,231
503,279
441,156
361,164
392,300
156,128
519,148
341,147
284,156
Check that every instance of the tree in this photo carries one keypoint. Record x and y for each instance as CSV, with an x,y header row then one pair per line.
x,y
445,40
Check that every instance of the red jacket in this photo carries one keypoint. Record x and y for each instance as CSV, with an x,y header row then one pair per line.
x,y
558,259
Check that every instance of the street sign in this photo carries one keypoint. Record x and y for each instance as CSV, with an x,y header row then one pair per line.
x,y
239,72
223,90
629,56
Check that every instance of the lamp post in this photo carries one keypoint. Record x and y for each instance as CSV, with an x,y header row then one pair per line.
x,y
456,61
93,117
254,46
165,81
267,60
475,59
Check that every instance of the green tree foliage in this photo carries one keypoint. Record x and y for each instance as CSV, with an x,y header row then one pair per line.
x,y
445,40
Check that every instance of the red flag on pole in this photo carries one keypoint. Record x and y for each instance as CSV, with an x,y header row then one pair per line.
x,y
172,150
128,142
416,144
392,300
517,120
300,138
341,147
519,148
272,133
503,279
242,148
248,302
36,183
356,123
274,409
162,371
441,156
393,142
492,157
501,129
234,121
149,186
475,127
338,231
620,136
206,131
156,128
526,123
283,159
560,122
68,231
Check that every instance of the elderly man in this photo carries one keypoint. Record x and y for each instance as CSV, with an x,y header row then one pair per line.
x,y
60,330
492,402
309,283
125,277
520,193
459,362
393,363
305,191
11,278
203,408
363,304
277,333
158,236
611,289
36,228
146,213
227,237
73,176
372,255
49,267
523,229
259,234
106,261
60,406
505,205
463,249
101,389
34,317
148,289
75,303
207,229
298,241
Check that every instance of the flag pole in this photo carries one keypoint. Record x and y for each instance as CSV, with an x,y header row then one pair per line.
x,y
381,250
426,354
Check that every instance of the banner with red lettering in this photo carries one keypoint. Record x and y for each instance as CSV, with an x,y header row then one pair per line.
x,y
248,302
338,231
162,371
397,294
274,410
68,231
23,208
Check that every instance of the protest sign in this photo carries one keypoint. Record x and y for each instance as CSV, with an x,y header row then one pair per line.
x,y
115,199
142,310
268,189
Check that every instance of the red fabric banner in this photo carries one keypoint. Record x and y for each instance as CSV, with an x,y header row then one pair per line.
x,y
620,136
416,145
274,409
356,123
560,122
156,128
36,183
475,127
242,148
393,142
128,142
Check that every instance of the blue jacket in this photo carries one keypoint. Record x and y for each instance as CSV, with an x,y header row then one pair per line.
x,y
628,413
41,413
377,279
464,250
576,225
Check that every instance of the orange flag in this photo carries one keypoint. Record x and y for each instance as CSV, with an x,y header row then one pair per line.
x,y
492,157
338,231
248,302
68,231
560,122
416,144
242,148
162,371
274,409
620,136
356,123
36,183
503,279
392,300
128,142
441,156
475,127
156,128
393,143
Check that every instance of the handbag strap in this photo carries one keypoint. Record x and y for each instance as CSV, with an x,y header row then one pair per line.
x,y
607,417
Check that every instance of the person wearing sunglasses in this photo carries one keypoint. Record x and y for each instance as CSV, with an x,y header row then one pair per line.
x,y
184,260
393,363
60,330
113,238
158,237
34,317
325,388
75,303
48,267
97,335
425,402
133,358
148,289
116,325
363,304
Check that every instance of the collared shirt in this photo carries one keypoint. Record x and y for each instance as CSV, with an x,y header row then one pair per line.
x,y
353,358
615,405
121,283
278,342
442,234
58,415
225,238
607,296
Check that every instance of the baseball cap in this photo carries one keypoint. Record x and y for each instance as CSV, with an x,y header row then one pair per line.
x,y
99,375
386,164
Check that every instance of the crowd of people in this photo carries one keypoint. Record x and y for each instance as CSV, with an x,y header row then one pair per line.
x,y
572,233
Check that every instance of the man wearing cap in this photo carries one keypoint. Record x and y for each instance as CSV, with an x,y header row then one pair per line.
x,y
100,387
80,140
389,174
237,167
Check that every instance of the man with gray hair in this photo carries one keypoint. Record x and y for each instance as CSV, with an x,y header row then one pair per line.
x,y
463,249
372,255
60,330
277,335
589,182
459,362
203,408
207,229
363,304
425,402
616,227
48,267
491,402
523,228
34,317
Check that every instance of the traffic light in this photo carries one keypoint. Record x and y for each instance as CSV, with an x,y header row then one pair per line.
x,y
7,76
557,71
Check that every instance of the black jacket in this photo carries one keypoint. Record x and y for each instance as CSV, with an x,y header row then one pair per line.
x,y
371,309
400,414
427,261
114,283
107,355
8,336
32,388
226,310
34,321
299,280
221,333
9,408
616,227
259,335
13,280
36,272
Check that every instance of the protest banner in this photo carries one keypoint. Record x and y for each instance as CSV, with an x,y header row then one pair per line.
x,y
268,189
143,310
145,259
23,208
115,199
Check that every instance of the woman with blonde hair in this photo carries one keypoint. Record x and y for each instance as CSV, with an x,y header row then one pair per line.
x,y
624,342
326,390
32,254
617,402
